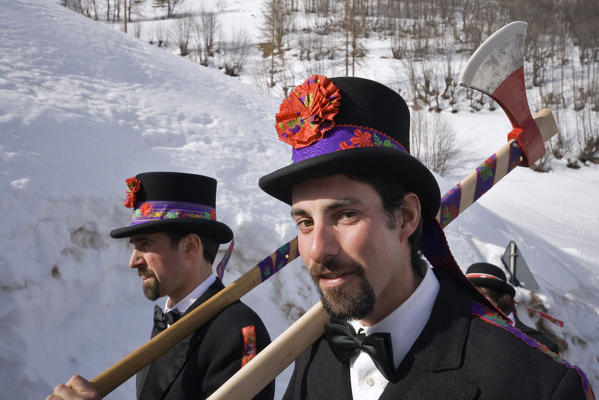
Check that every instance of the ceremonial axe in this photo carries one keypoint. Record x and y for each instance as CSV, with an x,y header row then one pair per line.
x,y
497,69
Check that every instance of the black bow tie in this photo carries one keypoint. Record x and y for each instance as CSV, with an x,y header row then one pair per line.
x,y
346,343
163,320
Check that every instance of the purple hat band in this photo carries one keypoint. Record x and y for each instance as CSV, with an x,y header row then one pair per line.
x,y
344,137
168,210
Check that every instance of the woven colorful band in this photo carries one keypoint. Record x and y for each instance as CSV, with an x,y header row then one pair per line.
x,y
159,210
249,344
277,260
220,268
516,156
492,317
450,205
486,276
485,176
434,246
343,137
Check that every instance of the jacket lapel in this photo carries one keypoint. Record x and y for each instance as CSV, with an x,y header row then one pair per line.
x,y
156,379
426,370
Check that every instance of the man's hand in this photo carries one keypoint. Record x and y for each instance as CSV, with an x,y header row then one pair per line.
x,y
77,388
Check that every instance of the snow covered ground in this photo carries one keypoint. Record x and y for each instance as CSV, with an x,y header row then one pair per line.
x,y
82,107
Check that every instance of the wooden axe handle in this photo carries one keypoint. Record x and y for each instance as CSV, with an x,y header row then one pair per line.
x,y
134,362
465,193
546,123
271,361
118,373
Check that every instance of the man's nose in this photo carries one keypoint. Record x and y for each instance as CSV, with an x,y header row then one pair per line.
x,y
324,243
136,259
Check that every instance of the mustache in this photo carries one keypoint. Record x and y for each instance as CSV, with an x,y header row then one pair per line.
x,y
334,265
145,273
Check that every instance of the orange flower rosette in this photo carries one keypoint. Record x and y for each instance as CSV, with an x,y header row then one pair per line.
x,y
307,114
133,187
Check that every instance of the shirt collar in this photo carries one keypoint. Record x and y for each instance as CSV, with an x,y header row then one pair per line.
x,y
407,321
195,294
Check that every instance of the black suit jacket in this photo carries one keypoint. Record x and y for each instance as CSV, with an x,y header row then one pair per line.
x,y
457,356
202,362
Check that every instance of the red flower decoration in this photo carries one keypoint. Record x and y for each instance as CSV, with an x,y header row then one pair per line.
x,y
345,146
146,209
213,214
362,139
307,114
133,187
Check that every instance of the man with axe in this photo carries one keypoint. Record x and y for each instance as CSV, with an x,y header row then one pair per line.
x,y
176,236
399,328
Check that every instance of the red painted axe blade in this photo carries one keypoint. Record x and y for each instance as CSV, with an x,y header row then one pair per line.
x,y
497,69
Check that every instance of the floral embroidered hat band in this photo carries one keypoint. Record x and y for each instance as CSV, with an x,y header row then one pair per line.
x,y
173,201
344,125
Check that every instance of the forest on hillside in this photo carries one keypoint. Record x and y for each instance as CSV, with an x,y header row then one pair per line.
x,y
427,42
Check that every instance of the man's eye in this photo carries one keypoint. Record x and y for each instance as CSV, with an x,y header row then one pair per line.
x,y
304,223
348,215
142,245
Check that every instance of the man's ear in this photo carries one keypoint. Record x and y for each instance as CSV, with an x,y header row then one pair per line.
x,y
410,216
192,245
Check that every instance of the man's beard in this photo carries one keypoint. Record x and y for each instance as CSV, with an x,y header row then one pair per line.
x,y
341,305
151,286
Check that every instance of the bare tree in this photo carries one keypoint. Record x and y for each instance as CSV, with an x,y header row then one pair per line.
x,y
353,47
137,30
170,6
235,52
410,70
451,81
587,124
85,7
210,28
432,141
274,31
159,36
205,29
181,33
314,53
397,45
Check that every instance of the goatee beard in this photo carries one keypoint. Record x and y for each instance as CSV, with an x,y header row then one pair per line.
x,y
339,304
151,286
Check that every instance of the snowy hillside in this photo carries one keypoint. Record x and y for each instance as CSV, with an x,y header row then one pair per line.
x,y
83,107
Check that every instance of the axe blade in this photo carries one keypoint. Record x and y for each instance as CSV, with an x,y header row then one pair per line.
x,y
497,69
496,59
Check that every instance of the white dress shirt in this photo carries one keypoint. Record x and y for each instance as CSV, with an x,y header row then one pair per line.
x,y
404,324
188,300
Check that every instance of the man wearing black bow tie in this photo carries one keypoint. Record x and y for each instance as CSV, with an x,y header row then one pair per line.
x,y
175,238
400,329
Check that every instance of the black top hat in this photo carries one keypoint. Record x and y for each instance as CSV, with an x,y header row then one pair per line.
x,y
173,201
490,276
342,125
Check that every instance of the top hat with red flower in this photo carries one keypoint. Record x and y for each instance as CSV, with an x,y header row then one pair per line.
x,y
489,276
173,201
345,125
356,125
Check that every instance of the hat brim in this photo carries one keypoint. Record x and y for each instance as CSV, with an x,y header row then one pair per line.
x,y
388,161
203,227
494,284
